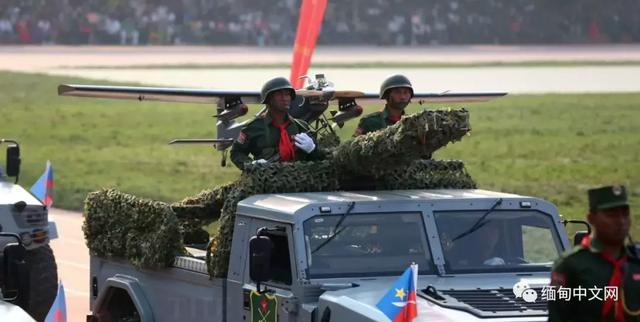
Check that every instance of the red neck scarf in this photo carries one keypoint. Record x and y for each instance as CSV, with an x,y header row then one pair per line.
x,y
285,146
393,118
615,280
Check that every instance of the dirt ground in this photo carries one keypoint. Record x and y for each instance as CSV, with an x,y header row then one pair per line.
x,y
57,60
35,58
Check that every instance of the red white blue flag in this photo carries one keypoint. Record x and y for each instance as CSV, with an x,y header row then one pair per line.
x,y
399,303
43,188
58,311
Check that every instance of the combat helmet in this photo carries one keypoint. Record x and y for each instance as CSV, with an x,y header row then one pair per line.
x,y
273,85
394,81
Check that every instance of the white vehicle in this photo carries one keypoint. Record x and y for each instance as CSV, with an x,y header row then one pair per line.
x,y
25,216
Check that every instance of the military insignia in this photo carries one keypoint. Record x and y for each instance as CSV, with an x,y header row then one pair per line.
x,y
242,137
617,190
558,279
264,307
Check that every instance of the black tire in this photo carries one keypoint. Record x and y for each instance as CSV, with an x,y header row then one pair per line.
x,y
43,281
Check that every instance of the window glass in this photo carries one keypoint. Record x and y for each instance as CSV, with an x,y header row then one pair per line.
x,y
366,244
503,240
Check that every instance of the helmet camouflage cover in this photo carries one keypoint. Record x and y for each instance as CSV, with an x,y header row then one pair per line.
x,y
394,81
273,85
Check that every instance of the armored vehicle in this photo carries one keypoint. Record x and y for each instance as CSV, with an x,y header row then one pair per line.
x,y
24,215
333,255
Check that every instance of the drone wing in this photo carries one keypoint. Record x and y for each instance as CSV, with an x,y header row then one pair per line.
x,y
427,98
164,94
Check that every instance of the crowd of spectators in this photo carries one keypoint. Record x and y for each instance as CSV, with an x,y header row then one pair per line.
x,y
273,22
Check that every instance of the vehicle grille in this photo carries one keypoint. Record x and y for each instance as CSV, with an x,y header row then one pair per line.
x,y
496,300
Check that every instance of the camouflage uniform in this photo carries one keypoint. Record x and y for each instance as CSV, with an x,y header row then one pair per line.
x,y
588,267
375,121
260,139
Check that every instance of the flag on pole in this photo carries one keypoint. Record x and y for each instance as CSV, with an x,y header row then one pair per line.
x,y
399,303
43,188
58,310
309,23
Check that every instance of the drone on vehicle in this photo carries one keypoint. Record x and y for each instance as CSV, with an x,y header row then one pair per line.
x,y
311,104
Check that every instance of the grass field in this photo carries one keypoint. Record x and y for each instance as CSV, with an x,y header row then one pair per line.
x,y
550,146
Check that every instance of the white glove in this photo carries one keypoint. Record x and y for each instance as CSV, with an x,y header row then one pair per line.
x,y
259,161
305,142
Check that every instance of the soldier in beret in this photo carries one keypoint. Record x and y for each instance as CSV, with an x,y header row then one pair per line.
x,y
275,135
600,262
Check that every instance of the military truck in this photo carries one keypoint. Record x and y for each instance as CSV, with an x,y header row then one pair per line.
x,y
24,215
331,256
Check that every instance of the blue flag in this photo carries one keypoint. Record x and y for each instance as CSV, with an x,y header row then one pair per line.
x,y
58,310
43,187
399,303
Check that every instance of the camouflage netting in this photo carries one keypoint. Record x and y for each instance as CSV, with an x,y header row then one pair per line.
x,y
400,144
328,141
369,155
195,212
428,174
120,225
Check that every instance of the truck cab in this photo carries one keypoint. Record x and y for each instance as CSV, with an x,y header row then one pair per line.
x,y
335,254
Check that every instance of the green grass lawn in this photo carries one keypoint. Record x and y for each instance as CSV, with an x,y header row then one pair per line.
x,y
550,146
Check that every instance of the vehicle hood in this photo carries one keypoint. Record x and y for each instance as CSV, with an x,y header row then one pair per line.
x,y
474,297
10,312
11,193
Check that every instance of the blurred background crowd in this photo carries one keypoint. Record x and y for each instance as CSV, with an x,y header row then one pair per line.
x,y
353,22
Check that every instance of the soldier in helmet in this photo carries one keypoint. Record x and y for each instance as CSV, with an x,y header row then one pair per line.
x,y
275,135
397,91
599,263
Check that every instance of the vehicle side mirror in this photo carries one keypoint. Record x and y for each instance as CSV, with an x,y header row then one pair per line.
x,y
260,248
15,273
577,238
13,161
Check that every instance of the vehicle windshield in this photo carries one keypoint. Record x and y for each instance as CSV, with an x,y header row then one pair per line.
x,y
504,241
366,245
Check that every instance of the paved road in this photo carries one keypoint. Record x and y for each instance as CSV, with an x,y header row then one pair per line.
x,y
37,58
78,61
72,257
515,80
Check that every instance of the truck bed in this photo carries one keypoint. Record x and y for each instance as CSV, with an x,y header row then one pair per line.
x,y
183,292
